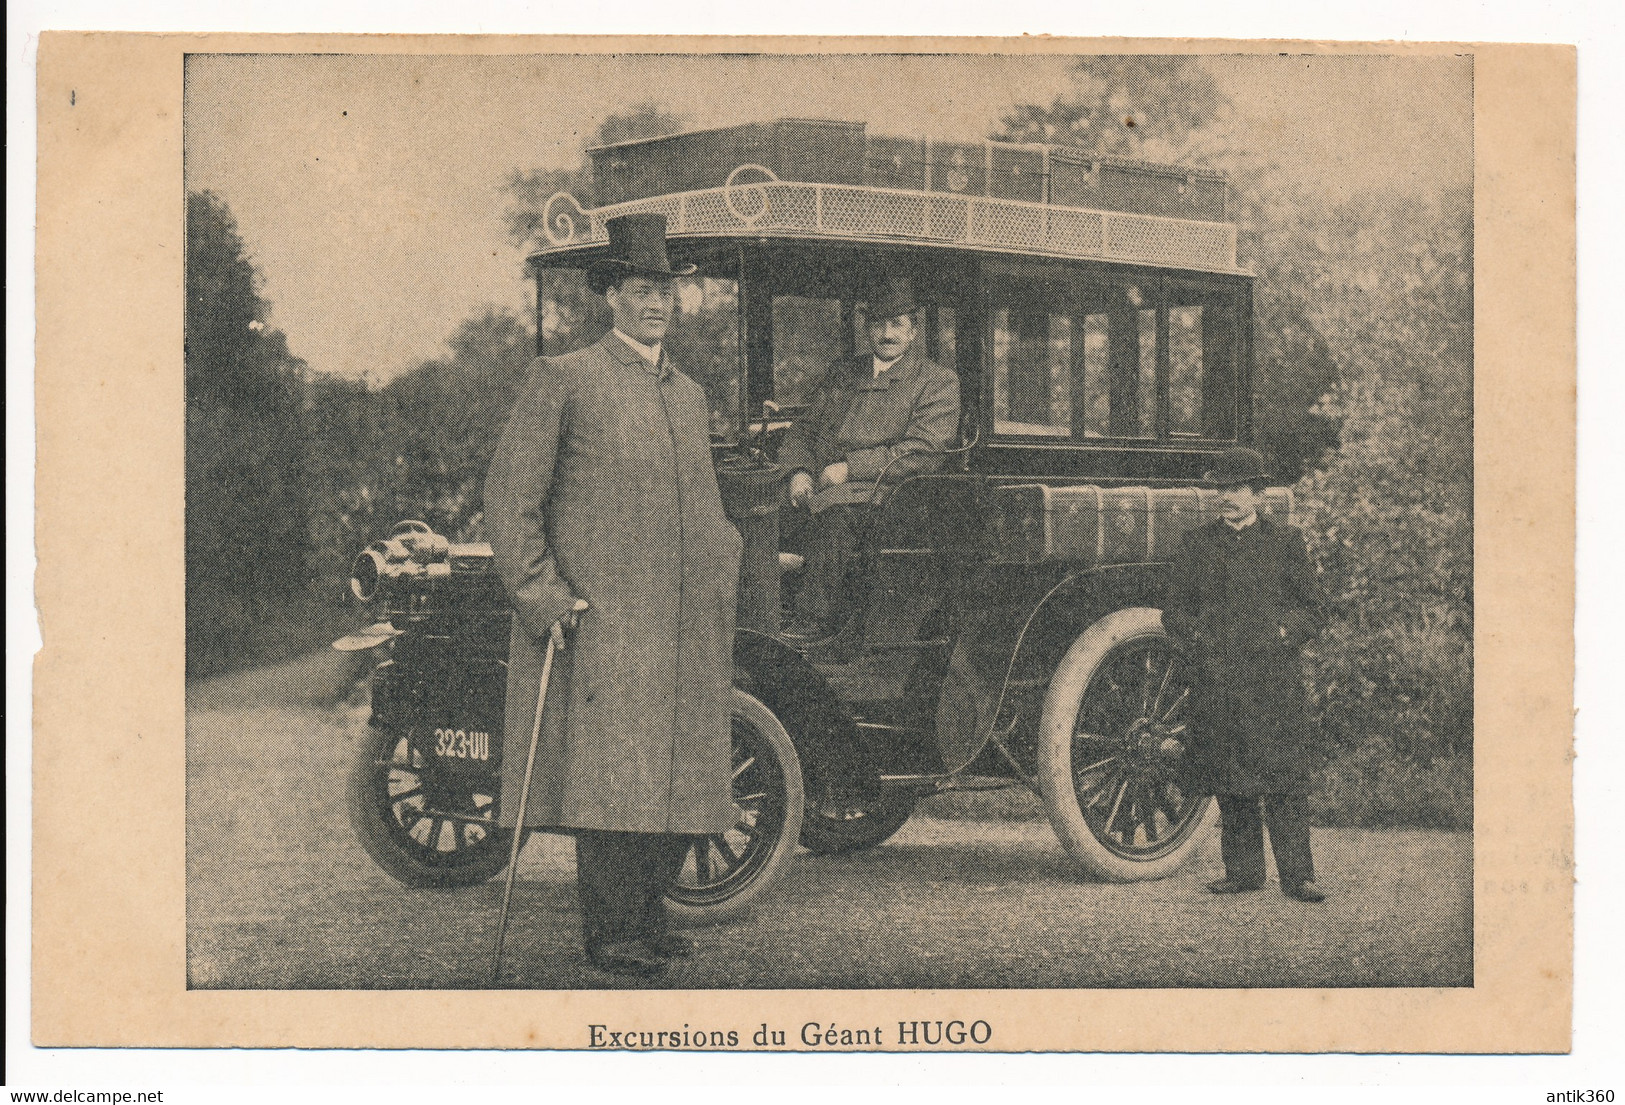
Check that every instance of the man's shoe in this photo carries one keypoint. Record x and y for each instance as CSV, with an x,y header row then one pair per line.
x,y
1233,886
1304,892
670,946
631,957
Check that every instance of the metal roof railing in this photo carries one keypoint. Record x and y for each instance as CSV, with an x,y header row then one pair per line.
x,y
771,207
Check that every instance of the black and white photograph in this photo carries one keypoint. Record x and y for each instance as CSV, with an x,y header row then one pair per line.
x,y
829,522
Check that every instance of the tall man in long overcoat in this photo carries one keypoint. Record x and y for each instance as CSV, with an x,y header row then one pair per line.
x,y
601,504
1243,600
876,419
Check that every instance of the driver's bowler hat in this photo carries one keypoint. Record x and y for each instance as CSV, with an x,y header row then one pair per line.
x,y
1236,466
893,296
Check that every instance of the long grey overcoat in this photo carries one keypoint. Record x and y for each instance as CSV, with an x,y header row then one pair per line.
x,y
602,489
1243,604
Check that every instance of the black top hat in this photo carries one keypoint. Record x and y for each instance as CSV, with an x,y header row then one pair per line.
x,y
1236,466
637,247
892,297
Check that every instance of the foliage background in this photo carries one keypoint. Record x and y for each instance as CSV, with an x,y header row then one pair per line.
x,y
1363,399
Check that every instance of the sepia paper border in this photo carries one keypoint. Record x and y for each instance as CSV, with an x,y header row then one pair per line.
x,y
109,754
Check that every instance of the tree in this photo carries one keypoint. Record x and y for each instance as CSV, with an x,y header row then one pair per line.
x,y
1392,509
346,437
529,191
245,499
445,417
1152,107
416,448
1170,109
1294,374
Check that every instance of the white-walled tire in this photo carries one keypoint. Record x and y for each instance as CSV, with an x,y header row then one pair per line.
x,y
1110,749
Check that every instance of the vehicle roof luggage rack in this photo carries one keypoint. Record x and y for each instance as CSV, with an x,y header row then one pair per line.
x,y
826,151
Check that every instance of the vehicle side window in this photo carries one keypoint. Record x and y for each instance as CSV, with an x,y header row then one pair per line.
x,y
807,336
805,310
1032,363
1073,362
945,347
1119,362
1091,359
1203,330
1185,370
703,341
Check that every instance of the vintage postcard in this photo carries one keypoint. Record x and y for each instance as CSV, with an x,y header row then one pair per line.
x,y
804,544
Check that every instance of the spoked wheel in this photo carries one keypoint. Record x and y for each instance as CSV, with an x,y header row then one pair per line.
x,y
420,821
724,873
1112,748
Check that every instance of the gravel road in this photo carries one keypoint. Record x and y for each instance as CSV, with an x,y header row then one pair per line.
x,y
280,895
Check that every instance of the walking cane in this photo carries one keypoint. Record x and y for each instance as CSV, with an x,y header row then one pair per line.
x,y
524,800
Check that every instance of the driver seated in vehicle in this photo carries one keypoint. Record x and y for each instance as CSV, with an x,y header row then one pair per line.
x,y
875,420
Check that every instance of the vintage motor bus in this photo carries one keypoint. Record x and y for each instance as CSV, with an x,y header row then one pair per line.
x,y
1006,627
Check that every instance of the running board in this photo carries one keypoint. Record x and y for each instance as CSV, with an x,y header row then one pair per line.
x,y
905,646
941,784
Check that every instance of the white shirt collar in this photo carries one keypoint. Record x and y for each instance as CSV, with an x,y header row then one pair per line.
x,y
1237,527
650,353
881,366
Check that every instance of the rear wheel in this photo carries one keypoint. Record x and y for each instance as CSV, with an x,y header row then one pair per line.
x,y
421,822
724,873
1112,747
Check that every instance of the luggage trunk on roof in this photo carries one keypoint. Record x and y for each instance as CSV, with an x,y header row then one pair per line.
x,y
1077,179
821,151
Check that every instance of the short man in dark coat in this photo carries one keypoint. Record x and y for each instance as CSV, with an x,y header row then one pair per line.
x,y
876,419
601,504
1242,600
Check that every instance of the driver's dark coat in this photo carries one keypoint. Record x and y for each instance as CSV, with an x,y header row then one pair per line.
x,y
602,488
1243,604
897,424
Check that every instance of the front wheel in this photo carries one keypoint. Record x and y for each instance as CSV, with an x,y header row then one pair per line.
x,y
1111,751
724,873
419,820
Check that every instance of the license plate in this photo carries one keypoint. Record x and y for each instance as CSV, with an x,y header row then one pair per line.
x,y
462,744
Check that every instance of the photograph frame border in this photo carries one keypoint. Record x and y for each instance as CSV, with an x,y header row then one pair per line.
x,y
96,985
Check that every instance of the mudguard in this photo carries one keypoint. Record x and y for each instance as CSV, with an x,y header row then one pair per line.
x,y
820,727
1013,647
453,715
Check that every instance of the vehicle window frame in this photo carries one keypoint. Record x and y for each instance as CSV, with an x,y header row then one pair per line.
x,y
963,282
1161,292
840,272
